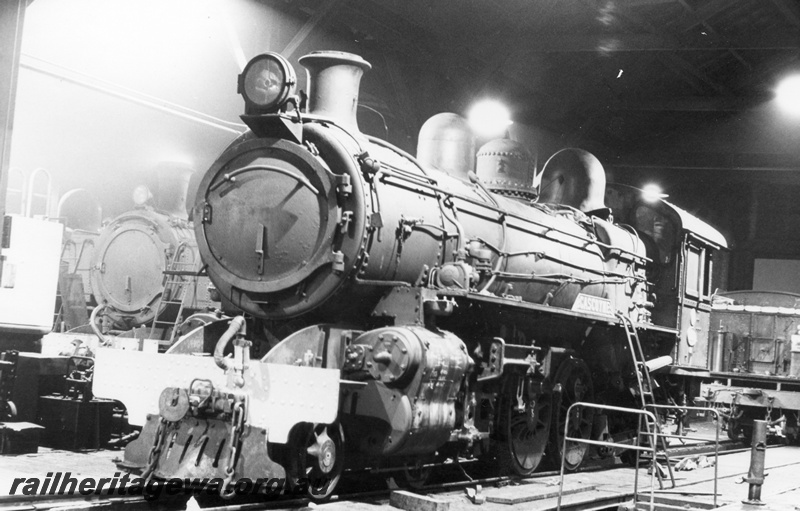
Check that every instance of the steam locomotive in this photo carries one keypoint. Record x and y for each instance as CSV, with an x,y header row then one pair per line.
x,y
135,269
145,261
435,311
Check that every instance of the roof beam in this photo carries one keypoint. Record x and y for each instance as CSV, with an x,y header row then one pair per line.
x,y
684,69
621,43
687,104
767,71
790,10
402,37
638,3
312,22
709,10
710,29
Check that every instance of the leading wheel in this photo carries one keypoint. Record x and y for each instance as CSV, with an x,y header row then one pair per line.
x,y
524,426
316,458
415,474
576,386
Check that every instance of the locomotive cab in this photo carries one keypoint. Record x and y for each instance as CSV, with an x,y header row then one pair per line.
x,y
682,252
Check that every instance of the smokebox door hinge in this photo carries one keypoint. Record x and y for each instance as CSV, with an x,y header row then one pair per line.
x,y
338,261
344,223
343,184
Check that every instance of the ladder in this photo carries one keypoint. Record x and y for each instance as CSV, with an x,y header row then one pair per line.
x,y
646,398
72,296
178,276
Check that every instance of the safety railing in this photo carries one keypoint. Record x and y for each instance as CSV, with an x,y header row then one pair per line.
x,y
652,448
718,423
643,414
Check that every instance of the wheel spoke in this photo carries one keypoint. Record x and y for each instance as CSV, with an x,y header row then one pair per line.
x,y
576,384
318,457
525,436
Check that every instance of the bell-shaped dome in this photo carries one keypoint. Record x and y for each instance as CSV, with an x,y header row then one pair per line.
x,y
575,178
446,143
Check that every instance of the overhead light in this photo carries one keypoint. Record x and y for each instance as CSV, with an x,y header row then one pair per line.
x,y
787,95
652,193
489,118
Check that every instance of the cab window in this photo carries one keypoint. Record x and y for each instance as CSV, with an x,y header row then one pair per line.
x,y
660,228
698,271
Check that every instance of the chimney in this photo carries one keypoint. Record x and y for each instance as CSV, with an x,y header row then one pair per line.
x,y
173,185
333,82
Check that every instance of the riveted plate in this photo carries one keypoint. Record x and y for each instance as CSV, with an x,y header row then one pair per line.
x,y
280,395
137,378
283,395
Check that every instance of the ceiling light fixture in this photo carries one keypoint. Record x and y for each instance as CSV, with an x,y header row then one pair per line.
x,y
652,193
489,118
787,95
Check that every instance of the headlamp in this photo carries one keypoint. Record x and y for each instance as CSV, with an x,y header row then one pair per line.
x,y
141,195
267,81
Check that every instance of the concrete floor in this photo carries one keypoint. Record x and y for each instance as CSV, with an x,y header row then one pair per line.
x,y
781,490
94,464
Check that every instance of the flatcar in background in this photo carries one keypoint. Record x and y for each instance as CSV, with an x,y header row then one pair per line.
x,y
755,362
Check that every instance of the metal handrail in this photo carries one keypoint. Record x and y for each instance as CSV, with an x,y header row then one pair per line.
x,y
637,448
653,444
716,440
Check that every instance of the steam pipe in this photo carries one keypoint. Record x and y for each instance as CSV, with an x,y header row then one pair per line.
x,y
105,341
236,326
718,350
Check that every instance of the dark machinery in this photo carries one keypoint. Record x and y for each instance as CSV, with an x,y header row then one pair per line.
x,y
438,311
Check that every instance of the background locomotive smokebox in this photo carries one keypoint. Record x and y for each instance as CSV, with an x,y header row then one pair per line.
x,y
75,424
19,437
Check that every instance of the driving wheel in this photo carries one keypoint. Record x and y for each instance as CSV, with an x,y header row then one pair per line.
x,y
575,381
524,425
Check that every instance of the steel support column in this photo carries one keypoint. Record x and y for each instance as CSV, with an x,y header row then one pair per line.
x,y
12,15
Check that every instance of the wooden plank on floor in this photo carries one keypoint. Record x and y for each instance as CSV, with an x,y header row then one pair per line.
x,y
411,501
529,492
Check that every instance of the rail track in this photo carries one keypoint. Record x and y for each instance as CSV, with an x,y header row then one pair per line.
x,y
373,484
